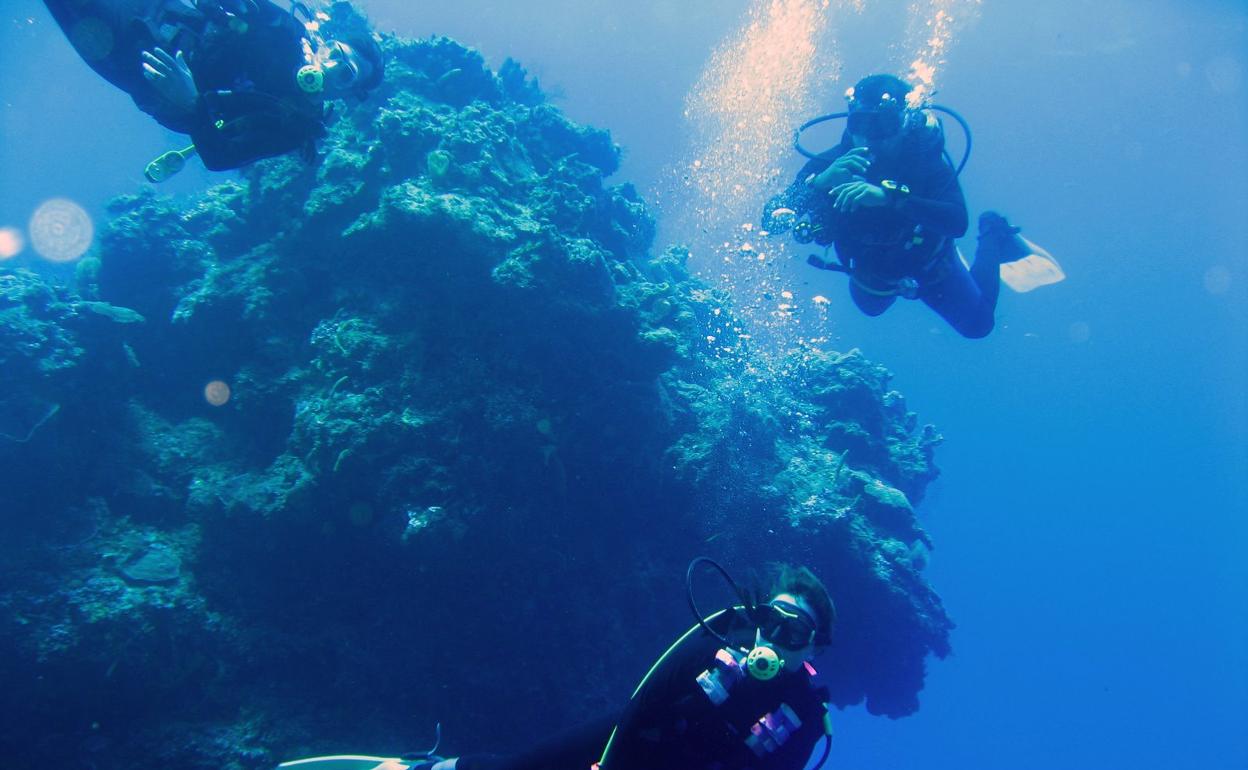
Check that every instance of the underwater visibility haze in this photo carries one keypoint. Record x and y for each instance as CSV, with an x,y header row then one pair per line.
x,y
425,426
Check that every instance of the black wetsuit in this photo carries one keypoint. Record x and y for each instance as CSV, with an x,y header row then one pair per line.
x,y
883,247
249,106
671,724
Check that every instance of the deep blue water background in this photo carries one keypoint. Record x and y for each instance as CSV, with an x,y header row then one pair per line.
x,y
1092,521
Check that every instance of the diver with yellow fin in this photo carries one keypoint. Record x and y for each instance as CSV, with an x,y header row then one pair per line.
x,y
244,79
886,198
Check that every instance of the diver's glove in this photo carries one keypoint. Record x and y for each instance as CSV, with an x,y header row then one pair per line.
x,y
848,167
171,77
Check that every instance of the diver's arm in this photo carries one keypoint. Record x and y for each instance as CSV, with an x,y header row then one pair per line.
x,y
943,211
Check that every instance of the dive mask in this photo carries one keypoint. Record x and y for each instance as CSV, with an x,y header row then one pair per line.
x,y
342,65
787,625
874,120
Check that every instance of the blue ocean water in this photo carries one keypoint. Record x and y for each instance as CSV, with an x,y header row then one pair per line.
x,y
1091,517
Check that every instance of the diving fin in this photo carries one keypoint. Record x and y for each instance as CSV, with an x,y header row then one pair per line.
x,y
1023,265
349,762
167,165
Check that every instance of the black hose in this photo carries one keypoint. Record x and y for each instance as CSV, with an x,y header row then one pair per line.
x,y
749,605
966,131
797,135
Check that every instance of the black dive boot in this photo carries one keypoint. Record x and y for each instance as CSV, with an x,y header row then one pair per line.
x,y
999,241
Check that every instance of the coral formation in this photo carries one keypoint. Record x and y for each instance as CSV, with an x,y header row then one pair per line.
x,y
472,419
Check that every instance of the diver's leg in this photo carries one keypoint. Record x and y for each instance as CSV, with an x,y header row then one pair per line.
x,y
871,304
986,272
999,242
955,294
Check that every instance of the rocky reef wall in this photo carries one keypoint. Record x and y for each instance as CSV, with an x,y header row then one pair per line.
x,y
476,428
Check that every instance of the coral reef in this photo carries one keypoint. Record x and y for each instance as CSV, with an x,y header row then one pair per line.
x,y
473,422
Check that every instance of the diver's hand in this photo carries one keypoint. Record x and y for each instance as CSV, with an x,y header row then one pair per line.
x,y
852,196
846,168
171,77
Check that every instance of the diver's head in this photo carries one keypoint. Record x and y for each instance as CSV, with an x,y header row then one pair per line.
x,y
877,108
799,618
352,65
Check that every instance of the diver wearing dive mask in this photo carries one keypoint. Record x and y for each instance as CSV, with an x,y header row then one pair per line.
x,y
887,199
737,689
734,692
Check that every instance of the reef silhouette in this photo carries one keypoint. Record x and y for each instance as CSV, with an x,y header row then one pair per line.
x,y
476,429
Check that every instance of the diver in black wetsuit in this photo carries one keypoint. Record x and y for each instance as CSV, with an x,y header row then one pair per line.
x,y
245,79
734,692
888,199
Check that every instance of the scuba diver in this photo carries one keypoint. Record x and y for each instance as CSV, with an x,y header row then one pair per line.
x,y
887,198
735,692
245,79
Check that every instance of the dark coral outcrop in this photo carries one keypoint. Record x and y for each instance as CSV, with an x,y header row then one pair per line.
x,y
474,425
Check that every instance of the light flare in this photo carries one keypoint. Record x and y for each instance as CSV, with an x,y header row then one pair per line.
x,y
217,393
61,230
11,242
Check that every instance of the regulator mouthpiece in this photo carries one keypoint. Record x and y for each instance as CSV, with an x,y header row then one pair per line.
x,y
311,79
763,663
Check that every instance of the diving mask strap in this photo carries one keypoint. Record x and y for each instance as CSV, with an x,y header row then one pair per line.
x,y
168,164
